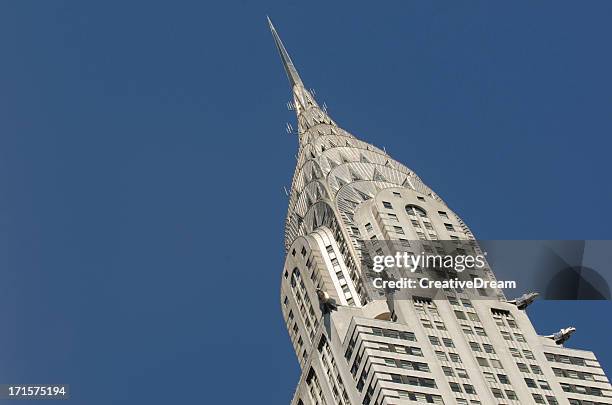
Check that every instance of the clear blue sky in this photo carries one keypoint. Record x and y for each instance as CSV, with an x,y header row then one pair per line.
x,y
143,158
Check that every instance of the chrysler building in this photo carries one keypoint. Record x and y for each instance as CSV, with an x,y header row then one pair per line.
x,y
356,347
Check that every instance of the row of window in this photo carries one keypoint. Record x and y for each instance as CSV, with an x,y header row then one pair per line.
x,y
315,391
457,372
519,337
434,340
491,378
412,380
539,399
584,402
578,375
531,383
581,389
535,369
471,315
406,364
393,348
471,330
438,324
484,362
420,397
333,376
391,333
467,388
303,301
488,348
517,353
561,358
454,357
459,301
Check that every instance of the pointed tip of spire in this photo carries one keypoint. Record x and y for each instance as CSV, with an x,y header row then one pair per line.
x,y
292,74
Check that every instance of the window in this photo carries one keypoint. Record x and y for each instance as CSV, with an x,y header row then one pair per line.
x,y
475,347
469,389
448,371
434,340
449,227
538,399
473,316
519,337
420,198
441,355
387,205
398,229
503,378
488,348
489,377
415,351
482,361
528,354
452,300
497,393
443,214
455,387
461,373
393,217
448,342
466,303
536,369
368,227
530,383
480,331
511,394
514,352
552,400
523,367
416,211
395,193
460,315
543,384
454,357
496,363
440,325
505,335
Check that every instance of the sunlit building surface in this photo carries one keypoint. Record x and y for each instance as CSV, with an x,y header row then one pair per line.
x,y
462,349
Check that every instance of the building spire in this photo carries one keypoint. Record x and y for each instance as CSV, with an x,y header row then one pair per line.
x,y
308,112
292,74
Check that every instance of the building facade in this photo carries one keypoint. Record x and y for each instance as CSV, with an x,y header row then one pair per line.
x,y
371,350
